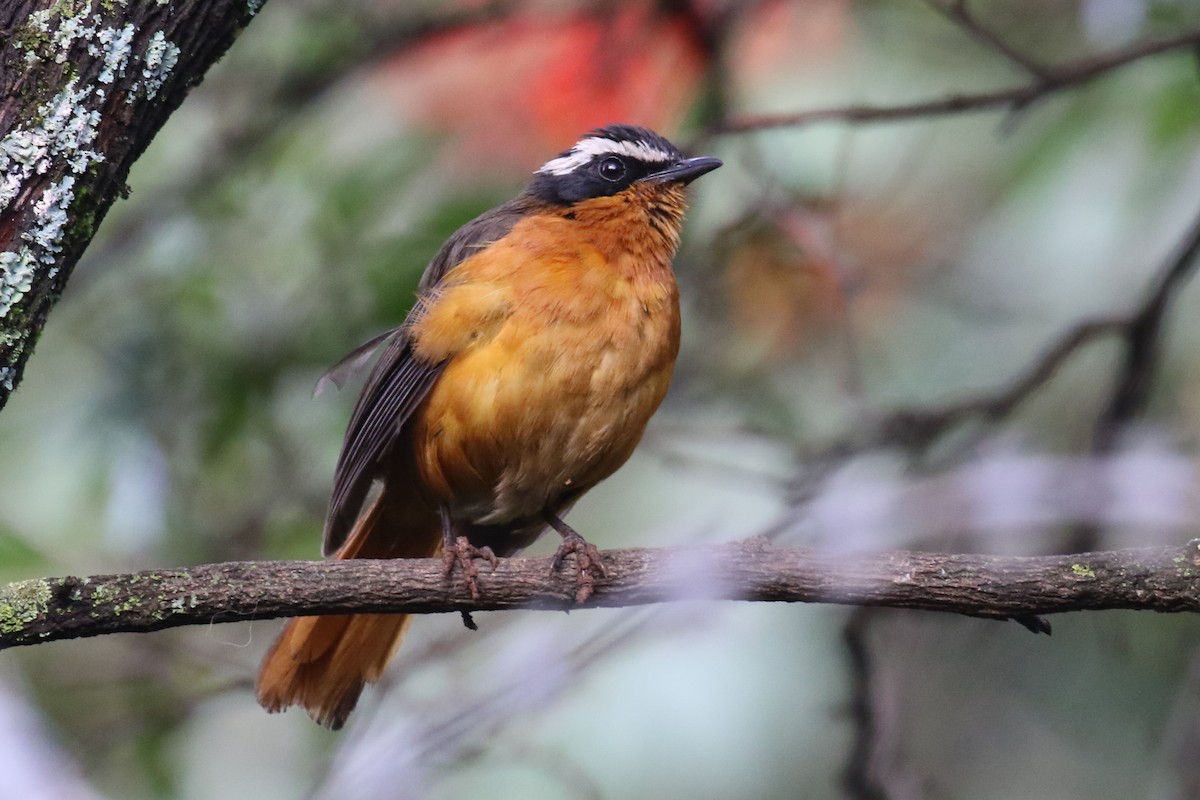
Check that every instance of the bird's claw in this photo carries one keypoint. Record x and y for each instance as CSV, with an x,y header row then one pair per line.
x,y
464,554
588,564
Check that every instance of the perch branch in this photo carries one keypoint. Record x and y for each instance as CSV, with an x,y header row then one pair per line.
x,y
1160,579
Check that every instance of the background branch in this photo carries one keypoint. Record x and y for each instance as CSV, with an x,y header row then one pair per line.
x,y
1143,339
1140,330
957,12
1014,98
1157,579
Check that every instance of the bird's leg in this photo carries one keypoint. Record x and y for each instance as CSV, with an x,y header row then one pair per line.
x,y
587,558
459,550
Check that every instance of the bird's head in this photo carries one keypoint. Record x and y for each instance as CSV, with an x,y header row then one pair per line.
x,y
612,160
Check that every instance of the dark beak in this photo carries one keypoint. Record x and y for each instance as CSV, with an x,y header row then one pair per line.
x,y
685,171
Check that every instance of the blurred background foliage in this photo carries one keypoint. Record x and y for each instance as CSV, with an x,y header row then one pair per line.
x,y
832,273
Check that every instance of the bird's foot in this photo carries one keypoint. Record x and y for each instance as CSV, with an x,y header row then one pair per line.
x,y
588,564
461,553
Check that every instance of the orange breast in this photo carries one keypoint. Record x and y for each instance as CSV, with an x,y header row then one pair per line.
x,y
559,348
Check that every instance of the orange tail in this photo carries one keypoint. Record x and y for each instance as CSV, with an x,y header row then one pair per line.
x,y
322,663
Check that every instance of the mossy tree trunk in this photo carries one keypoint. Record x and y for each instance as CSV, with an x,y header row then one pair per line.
x,y
84,87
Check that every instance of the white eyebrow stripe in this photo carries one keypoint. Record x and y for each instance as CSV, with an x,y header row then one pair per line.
x,y
587,149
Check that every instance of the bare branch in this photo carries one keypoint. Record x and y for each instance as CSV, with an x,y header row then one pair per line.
x,y
1058,79
918,428
1143,339
1158,579
956,11
1140,329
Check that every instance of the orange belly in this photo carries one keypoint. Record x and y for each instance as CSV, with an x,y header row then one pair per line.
x,y
548,406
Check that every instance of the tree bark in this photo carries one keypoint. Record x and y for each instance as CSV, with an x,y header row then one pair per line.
x,y
84,87
1158,579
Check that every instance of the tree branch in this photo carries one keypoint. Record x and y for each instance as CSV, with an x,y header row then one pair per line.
x,y
1157,579
1139,329
918,428
1055,79
1143,339
957,12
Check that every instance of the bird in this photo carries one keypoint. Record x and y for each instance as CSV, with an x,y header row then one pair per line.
x,y
543,338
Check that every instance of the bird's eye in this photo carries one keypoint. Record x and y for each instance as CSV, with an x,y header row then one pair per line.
x,y
611,169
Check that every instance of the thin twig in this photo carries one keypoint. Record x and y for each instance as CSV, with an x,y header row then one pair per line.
x,y
1143,340
958,13
1060,78
917,429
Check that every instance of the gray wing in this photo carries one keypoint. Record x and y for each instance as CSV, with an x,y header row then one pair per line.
x,y
399,381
